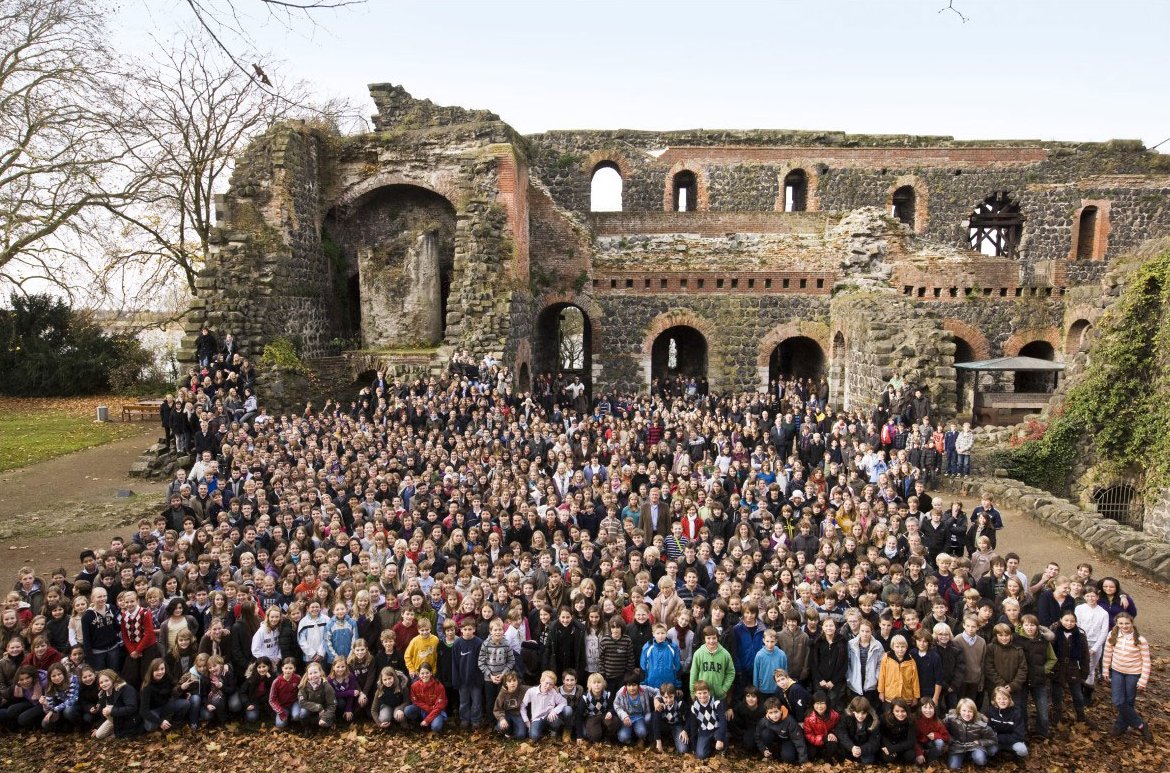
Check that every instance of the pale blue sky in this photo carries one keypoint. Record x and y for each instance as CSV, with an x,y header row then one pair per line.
x,y
1046,69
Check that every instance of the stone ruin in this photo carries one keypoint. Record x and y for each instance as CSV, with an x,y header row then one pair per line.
x,y
752,255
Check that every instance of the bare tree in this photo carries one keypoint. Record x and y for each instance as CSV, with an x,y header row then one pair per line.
x,y
227,23
63,151
196,111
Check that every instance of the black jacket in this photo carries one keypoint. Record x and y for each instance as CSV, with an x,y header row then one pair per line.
x,y
829,662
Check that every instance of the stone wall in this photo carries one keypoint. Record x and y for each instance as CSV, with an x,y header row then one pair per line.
x,y
743,171
266,275
883,335
740,332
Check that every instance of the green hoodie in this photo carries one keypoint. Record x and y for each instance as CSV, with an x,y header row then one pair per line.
x,y
717,669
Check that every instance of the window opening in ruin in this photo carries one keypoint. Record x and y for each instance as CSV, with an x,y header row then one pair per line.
x,y
677,356
1078,333
686,191
1119,503
905,201
996,227
1087,234
1036,381
795,191
798,357
605,189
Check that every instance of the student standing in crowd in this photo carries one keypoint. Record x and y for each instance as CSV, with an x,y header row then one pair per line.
x,y
555,544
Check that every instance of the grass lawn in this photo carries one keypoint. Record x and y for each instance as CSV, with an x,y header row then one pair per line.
x,y
36,429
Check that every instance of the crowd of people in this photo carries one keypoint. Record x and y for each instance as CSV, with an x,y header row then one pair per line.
x,y
694,572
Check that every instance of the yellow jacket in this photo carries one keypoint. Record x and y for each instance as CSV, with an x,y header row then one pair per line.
x,y
898,679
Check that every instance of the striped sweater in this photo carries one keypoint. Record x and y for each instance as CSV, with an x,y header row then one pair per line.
x,y
1130,655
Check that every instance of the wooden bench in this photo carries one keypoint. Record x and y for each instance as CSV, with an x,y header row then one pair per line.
x,y
139,410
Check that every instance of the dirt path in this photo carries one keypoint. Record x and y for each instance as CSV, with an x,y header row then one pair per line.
x,y
50,511
1036,545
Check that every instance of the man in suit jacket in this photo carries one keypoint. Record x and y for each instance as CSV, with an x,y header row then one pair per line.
x,y
655,518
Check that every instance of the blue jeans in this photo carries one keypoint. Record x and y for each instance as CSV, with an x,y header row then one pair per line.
x,y
978,756
111,659
544,725
704,745
1124,689
1040,695
637,727
282,723
964,464
471,705
934,749
415,715
516,727
175,711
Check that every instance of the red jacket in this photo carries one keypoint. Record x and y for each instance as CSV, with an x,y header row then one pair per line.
x,y
284,694
430,696
926,727
817,728
144,639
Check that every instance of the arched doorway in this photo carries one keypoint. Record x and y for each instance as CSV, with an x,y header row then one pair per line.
x,y
564,344
685,187
1036,381
964,379
798,357
678,355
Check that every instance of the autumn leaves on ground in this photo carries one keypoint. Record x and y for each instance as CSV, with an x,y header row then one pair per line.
x,y
261,749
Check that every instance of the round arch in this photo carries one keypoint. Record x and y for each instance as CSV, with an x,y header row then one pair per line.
x,y
797,357
817,331
682,318
1034,382
700,186
679,352
563,342
921,192
980,346
1077,338
439,183
1016,341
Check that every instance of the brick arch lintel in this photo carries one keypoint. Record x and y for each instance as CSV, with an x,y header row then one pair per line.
x,y
1017,340
817,331
978,342
592,310
624,167
442,185
701,201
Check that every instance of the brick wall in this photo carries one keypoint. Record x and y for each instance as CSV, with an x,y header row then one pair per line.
x,y
709,223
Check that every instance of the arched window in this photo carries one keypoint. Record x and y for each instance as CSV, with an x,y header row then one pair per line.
x,y
686,191
605,188
1087,234
905,201
996,227
795,191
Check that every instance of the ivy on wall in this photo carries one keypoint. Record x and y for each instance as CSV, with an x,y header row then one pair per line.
x,y
1122,404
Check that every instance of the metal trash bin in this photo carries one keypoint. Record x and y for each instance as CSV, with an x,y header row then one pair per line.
x,y
103,413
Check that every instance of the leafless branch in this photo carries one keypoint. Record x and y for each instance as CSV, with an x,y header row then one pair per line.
x,y
951,7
